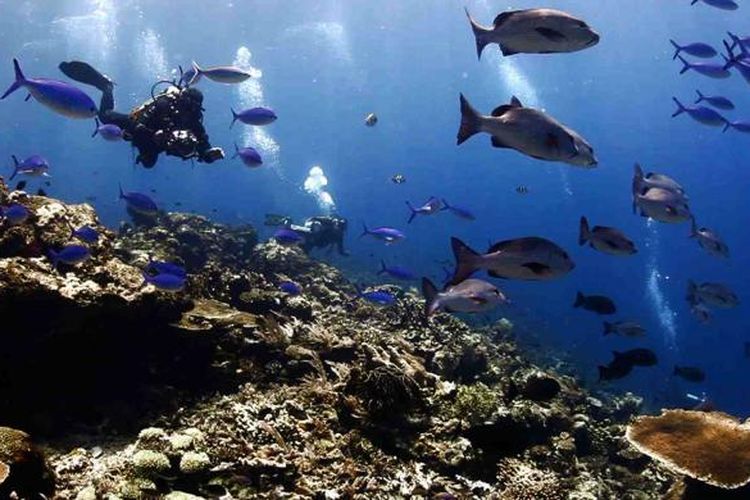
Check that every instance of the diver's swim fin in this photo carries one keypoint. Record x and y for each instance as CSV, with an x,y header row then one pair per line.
x,y
85,73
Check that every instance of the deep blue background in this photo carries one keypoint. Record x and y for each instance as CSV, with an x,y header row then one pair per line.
x,y
326,64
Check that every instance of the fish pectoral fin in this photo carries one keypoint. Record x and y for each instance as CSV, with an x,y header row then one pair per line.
x,y
497,143
537,268
550,34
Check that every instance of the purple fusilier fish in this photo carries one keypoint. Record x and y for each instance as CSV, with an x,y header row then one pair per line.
x,y
161,267
701,114
697,49
87,234
189,76
139,202
254,116
379,297
741,62
14,214
739,40
397,272
431,206
290,288
286,236
712,70
60,97
165,282
458,211
221,74
739,125
249,156
388,234
34,166
716,101
108,131
719,4
70,254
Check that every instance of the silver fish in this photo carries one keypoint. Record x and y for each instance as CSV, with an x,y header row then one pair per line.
x,y
469,296
221,74
605,239
642,182
528,131
709,240
662,205
712,294
534,31
626,328
531,258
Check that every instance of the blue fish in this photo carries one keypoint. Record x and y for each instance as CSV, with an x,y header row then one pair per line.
x,y
711,70
458,211
249,156
70,254
221,74
87,234
286,236
740,126
15,214
431,206
715,101
701,114
379,297
60,97
719,4
387,234
397,272
694,49
254,116
139,202
739,40
108,131
165,282
740,62
34,166
290,287
162,267
189,77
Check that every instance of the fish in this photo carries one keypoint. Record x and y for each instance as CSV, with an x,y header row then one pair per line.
x,y
388,234
624,328
139,202
189,76
709,240
87,234
165,282
430,207
739,125
249,156
616,369
719,4
739,40
221,74
254,116
33,166
62,98
522,190
700,312
716,101
530,258
701,114
696,49
69,254
108,131
459,212
740,62
290,288
712,70
712,294
605,239
469,296
15,214
162,267
397,272
528,131
662,205
285,236
398,179
20,186
371,120
642,182
41,192
689,373
534,31
638,357
599,304
379,297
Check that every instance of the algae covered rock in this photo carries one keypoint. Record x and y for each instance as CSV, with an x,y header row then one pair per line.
x,y
150,463
23,468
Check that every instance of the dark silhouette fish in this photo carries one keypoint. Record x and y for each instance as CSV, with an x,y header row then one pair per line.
x,y
595,303
605,239
690,373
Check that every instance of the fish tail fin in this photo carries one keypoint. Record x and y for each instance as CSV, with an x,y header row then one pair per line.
x,y
18,83
583,231
446,206
677,49
608,328
430,292
694,2
16,163
700,96
602,372
693,227
382,267
685,65
96,127
680,108
365,231
479,34
691,289
470,121
122,195
234,117
197,69
465,261
579,299
727,125
413,213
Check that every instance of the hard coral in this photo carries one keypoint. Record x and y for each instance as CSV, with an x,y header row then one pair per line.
x,y
475,403
711,447
386,391
521,481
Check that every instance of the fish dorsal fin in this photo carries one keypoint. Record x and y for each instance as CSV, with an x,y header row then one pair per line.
x,y
502,17
515,102
501,110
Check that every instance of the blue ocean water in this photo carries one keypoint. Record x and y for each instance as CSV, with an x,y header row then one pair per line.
x,y
326,64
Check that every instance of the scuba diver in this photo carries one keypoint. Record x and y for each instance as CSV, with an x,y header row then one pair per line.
x,y
321,231
171,122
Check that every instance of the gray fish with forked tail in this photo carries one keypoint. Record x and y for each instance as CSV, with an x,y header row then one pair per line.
x,y
712,294
643,182
531,258
625,328
662,205
534,31
605,239
709,240
528,131
595,303
221,74
469,296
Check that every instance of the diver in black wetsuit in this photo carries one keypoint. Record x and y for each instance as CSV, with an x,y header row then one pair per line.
x,y
321,231
171,122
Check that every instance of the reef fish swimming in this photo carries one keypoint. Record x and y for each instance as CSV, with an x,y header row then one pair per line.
x,y
605,239
469,296
221,74
388,234
254,116
33,166
139,202
430,207
599,304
